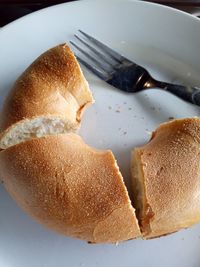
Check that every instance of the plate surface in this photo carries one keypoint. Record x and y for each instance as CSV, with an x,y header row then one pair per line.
x,y
163,40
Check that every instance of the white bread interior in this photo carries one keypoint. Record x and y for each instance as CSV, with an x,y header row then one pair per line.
x,y
35,128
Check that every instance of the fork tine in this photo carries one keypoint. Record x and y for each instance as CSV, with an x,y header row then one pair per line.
x,y
116,56
95,51
93,69
94,60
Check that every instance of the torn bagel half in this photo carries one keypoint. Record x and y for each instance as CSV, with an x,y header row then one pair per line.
x,y
166,178
51,173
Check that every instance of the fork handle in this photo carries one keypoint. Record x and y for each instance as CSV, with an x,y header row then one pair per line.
x,y
187,93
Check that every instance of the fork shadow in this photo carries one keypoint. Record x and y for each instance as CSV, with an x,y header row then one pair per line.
x,y
152,110
159,114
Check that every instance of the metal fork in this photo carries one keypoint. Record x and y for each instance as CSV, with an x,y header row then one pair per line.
x,y
124,74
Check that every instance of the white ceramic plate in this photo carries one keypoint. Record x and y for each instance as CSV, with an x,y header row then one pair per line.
x,y
165,41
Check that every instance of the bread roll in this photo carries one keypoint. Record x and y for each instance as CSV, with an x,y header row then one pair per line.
x,y
70,187
166,178
52,89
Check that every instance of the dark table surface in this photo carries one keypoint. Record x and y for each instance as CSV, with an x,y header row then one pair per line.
x,y
13,9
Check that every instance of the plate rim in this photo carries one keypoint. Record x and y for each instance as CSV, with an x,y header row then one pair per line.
x,y
77,2
12,26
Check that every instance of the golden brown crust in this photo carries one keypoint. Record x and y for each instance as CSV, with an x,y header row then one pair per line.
x,y
171,168
52,85
70,187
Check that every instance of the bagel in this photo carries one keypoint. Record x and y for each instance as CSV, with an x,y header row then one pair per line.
x,y
77,190
48,98
166,178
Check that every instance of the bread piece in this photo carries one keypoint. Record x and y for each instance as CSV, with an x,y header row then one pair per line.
x,y
70,187
53,86
34,128
167,173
